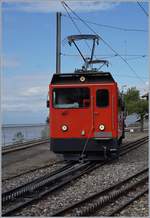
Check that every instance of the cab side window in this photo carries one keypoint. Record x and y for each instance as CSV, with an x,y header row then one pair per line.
x,y
102,98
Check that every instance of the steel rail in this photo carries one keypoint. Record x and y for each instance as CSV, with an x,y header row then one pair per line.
x,y
23,189
16,144
32,170
134,142
136,197
122,148
32,192
106,197
133,145
44,188
24,145
110,198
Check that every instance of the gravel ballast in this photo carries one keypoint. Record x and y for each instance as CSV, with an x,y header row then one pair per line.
x,y
97,180
20,180
108,209
138,208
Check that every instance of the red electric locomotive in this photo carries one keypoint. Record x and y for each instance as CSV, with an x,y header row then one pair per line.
x,y
86,114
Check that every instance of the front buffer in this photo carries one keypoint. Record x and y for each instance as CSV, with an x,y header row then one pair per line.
x,y
87,149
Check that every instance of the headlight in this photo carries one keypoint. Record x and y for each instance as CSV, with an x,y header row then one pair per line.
x,y
82,78
64,128
101,127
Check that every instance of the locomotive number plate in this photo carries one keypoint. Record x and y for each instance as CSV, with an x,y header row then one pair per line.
x,y
103,134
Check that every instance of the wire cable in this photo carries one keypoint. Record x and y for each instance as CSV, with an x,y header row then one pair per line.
x,y
145,12
109,26
104,41
109,55
127,76
75,24
131,57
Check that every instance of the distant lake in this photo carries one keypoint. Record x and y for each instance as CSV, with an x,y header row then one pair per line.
x,y
12,133
130,119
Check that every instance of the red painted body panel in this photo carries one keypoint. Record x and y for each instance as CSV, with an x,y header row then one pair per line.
x,y
86,119
107,115
76,119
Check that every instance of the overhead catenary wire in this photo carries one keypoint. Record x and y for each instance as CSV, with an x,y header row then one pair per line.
x,y
104,41
135,58
128,76
111,56
109,26
75,25
145,12
108,55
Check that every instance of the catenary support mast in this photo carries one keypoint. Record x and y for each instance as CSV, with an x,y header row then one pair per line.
x,y
58,43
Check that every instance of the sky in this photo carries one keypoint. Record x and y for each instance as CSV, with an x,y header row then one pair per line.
x,y
28,49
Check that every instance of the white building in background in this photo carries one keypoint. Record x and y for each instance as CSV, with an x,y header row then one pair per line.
x,y
12,133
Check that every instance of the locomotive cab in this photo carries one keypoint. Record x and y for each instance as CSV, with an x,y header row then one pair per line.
x,y
86,116
86,113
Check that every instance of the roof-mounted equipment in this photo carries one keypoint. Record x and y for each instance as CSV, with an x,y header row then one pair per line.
x,y
88,61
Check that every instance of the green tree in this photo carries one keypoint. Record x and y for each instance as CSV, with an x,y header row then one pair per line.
x,y
134,104
132,95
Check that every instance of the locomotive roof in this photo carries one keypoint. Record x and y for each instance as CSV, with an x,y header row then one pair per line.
x,y
90,77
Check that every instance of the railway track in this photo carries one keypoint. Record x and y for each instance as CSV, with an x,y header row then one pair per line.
x,y
32,170
15,199
90,205
132,145
22,196
21,146
128,202
61,161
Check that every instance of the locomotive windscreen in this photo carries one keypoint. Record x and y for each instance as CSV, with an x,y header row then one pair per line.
x,y
71,97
